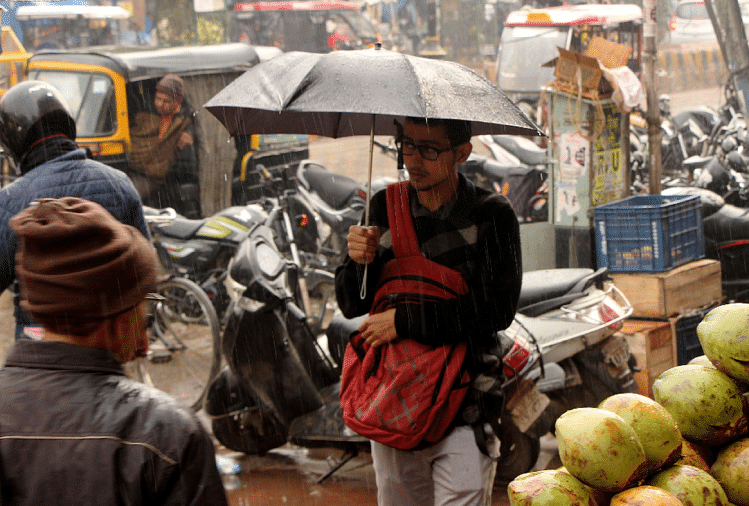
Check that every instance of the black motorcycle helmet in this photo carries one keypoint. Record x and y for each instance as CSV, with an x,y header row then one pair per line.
x,y
30,111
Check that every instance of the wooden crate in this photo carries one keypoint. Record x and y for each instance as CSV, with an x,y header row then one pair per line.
x,y
666,294
652,344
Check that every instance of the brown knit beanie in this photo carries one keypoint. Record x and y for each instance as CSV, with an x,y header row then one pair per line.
x,y
77,264
173,85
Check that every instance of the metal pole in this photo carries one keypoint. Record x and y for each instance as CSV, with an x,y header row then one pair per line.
x,y
725,16
653,116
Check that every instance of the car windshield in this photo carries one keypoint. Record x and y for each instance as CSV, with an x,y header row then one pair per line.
x,y
90,96
522,51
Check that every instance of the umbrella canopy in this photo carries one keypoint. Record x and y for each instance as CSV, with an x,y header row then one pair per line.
x,y
361,92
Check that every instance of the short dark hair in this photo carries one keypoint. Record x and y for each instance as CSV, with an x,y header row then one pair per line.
x,y
458,130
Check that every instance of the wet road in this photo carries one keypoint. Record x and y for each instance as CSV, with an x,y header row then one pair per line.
x,y
287,476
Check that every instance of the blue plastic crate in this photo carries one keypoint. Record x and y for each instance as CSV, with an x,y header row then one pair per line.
x,y
649,233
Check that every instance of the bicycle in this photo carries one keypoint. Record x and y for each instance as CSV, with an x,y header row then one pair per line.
x,y
184,353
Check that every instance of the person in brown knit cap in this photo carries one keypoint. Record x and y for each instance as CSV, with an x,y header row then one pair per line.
x,y
76,430
163,158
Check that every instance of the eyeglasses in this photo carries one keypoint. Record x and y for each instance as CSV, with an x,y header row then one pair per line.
x,y
426,152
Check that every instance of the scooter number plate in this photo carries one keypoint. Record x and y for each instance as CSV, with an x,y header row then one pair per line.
x,y
526,405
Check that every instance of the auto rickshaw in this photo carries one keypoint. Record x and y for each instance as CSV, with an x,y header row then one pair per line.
x,y
105,90
12,61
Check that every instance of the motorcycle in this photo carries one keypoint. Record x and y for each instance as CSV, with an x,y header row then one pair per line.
x,y
724,173
726,228
201,249
282,380
518,171
339,202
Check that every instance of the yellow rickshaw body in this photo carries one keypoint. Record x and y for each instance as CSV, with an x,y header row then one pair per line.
x,y
105,89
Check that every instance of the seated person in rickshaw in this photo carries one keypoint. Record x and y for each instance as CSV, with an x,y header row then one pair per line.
x,y
163,160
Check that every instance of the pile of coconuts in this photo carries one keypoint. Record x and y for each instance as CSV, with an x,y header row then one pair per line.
x,y
688,446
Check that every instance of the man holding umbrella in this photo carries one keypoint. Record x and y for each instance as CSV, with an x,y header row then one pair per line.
x,y
467,229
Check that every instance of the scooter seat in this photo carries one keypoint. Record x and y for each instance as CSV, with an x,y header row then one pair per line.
x,y
180,228
695,162
334,189
730,224
549,284
525,150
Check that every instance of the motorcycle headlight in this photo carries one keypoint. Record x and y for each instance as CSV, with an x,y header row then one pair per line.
x,y
268,260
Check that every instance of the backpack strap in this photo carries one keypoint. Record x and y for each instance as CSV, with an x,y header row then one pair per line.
x,y
402,232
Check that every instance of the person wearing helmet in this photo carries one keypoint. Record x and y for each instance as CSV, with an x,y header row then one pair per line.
x,y
38,132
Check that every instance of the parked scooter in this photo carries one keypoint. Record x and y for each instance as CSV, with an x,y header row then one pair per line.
x,y
726,239
279,373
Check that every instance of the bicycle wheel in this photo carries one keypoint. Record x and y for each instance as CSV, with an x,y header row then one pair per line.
x,y
184,350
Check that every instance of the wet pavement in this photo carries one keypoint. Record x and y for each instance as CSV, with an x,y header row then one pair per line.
x,y
288,476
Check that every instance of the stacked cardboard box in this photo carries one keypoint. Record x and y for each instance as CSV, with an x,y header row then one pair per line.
x,y
651,342
673,292
667,307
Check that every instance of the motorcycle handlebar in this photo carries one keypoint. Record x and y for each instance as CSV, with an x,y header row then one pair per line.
x,y
153,215
295,311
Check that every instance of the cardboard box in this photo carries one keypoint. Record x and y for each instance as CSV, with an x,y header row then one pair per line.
x,y
666,294
652,344
582,72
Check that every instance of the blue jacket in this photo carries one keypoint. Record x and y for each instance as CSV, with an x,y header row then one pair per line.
x,y
69,175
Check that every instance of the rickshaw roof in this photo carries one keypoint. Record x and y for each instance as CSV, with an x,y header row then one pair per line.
x,y
71,12
295,6
584,14
149,64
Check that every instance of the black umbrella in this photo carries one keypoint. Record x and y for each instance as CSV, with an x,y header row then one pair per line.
x,y
361,92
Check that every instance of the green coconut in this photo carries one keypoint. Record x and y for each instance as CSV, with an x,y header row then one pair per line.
x,y
645,496
656,429
552,487
707,405
691,485
731,470
701,360
600,449
724,335
697,455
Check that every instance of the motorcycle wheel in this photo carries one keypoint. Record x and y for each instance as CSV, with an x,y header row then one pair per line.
x,y
184,335
523,454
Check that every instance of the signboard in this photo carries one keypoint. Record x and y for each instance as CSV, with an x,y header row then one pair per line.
x,y
208,5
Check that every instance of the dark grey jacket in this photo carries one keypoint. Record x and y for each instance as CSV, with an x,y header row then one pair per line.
x,y
75,430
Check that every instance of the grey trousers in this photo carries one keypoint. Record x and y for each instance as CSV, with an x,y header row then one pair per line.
x,y
451,473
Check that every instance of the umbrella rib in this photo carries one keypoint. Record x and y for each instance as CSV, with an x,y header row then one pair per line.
x,y
416,79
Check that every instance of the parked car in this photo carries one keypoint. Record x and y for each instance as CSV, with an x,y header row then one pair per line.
x,y
690,22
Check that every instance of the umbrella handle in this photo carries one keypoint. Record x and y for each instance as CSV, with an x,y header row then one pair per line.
x,y
363,288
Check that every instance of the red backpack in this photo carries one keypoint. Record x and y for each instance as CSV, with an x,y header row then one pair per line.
x,y
405,394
